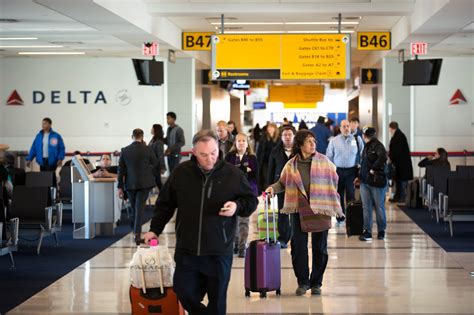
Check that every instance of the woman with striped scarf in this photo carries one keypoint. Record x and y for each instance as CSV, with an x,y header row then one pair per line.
x,y
309,180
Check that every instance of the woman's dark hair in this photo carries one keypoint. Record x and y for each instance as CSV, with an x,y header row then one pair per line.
x,y
299,140
235,131
157,132
443,154
302,125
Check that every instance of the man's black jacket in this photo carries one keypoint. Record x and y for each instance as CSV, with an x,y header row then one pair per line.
x,y
200,230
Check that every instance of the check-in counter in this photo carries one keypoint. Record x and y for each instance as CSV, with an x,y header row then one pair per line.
x,y
95,205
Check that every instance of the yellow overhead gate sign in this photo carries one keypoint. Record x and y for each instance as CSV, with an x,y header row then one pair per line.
x,y
296,96
281,56
196,40
374,41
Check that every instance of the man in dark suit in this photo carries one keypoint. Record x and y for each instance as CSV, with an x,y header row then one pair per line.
x,y
135,175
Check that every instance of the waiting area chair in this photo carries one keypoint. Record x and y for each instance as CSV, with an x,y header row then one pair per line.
x,y
459,202
9,245
33,206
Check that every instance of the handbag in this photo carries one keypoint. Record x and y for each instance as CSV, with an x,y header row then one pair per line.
x,y
309,221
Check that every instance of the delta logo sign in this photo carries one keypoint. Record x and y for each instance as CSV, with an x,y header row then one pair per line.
x,y
458,98
56,97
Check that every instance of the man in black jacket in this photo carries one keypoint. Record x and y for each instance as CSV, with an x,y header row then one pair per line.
x,y
208,193
278,158
174,140
399,153
135,175
373,185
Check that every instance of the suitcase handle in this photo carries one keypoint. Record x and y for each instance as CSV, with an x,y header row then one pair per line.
x,y
267,197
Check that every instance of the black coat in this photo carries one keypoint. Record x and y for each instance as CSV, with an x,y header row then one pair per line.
x,y
276,163
136,166
374,157
265,147
399,153
200,230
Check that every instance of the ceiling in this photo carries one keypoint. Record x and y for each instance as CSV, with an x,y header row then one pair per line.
x,y
110,28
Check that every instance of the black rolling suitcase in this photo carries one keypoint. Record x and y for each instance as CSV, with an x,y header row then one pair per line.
x,y
354,218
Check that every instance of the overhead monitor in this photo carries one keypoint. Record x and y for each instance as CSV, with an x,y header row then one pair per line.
x,y
421,71
149,72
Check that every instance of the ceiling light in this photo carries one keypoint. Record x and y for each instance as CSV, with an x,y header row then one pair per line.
x,y
286,23
32,46
249,23
52,53
321,23
18,38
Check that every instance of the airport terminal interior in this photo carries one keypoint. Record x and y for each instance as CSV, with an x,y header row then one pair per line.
x,y
376,87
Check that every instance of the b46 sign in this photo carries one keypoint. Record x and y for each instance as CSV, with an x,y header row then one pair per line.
x,y
373,41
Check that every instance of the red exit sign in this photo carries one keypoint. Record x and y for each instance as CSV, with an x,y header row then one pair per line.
x,y
150,49
419,48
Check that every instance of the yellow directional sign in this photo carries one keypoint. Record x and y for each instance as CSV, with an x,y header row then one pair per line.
x,y
296,93
196,40
281,56
374,41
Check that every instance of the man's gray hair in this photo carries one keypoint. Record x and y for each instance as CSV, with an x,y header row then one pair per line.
x,y
205,135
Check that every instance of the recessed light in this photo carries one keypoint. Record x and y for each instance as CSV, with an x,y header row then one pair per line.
x,y
18,38
52,53
31,46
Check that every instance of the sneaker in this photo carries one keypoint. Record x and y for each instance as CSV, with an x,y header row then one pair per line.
x,y
366,236
301,290
241,253
236,249
316,290
381,235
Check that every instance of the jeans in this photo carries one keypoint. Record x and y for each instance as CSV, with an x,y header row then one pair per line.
x,y
137,204
173,161
197,275
299,254
373,196
345,185
400,190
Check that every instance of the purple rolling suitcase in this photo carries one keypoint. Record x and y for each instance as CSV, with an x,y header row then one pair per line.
x,y
262,263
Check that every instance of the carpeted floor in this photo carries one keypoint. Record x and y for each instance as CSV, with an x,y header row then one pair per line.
x,y
35,272
462,241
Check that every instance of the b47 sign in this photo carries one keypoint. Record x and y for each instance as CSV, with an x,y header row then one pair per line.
x,y
197,40
373,41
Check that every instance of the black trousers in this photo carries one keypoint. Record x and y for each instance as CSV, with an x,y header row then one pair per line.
x,y
137,203
345,185
46,167
284,228
299,254
173,161
197,275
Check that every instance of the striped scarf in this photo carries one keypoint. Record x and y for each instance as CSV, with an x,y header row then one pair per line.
x,y
324,198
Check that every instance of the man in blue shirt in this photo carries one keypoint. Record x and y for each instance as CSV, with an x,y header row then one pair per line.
x,y
48,148
322,134
345,151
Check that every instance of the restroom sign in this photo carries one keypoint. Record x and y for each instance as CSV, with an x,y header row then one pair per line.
x,y
419,48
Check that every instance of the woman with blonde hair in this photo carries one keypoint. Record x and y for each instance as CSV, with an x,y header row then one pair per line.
x,y
241,155
309,180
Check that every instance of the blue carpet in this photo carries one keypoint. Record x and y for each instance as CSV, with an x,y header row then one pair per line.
x,y
34,272
462,241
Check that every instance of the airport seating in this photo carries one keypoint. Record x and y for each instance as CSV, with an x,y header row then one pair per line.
x,y
10,243
32,205
459,203
43,179
466,169
65,187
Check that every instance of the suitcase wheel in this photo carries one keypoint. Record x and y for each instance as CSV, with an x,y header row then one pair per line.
x,y
278,292
247,293
263,294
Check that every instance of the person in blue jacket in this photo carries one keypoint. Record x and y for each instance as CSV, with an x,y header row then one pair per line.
x,y
322,134
48,148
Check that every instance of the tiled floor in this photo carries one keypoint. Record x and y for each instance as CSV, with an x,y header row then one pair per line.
x,y
406,273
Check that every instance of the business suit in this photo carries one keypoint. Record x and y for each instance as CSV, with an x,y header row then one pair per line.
x,y
135,175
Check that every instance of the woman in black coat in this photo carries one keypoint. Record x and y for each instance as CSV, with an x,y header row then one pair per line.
x,y
440,158
400,157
